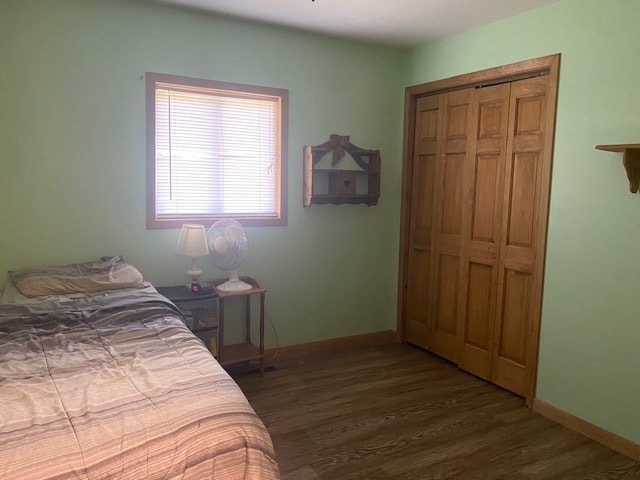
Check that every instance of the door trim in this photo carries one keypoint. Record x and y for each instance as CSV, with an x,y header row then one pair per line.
x,y
548,65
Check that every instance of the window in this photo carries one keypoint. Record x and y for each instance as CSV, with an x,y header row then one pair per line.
x,y
215,150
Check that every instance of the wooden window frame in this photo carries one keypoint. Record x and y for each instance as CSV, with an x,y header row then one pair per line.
x,y
280,218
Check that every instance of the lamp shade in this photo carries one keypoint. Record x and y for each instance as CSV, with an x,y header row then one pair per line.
x,y
192,241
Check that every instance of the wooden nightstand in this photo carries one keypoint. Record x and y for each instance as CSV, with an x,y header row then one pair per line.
x,y
200,310
247,351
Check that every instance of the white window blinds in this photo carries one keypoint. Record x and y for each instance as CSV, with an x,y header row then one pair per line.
x,y
217,153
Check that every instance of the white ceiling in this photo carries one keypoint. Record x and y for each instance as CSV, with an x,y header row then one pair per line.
x,y
392,22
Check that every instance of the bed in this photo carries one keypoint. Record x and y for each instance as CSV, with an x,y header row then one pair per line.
x,y
100,378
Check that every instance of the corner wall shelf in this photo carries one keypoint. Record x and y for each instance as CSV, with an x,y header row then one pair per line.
x,y
630,160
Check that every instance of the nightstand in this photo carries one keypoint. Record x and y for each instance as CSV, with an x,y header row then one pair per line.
x,y
246,351
200,310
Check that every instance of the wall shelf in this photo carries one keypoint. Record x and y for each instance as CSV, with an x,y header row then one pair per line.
x,y
630,160
341,185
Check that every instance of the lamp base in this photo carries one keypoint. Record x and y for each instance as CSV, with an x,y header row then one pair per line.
x,y
195,271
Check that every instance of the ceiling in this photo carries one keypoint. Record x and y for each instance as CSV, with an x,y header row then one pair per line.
x,y
401,23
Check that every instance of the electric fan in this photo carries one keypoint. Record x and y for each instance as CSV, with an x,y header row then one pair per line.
x,y
228,247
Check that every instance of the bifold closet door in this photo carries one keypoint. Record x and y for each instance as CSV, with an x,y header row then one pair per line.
x,y
460,144
475,217
477,169
426,136
439,213
501,275
481,244
521,249
451,216
441,140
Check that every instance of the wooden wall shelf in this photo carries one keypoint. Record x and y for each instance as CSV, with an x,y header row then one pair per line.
x,y
630,160
338,185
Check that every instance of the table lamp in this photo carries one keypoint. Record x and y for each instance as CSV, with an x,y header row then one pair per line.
x,y
193,243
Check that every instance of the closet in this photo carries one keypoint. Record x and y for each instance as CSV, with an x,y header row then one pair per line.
x,y
475,197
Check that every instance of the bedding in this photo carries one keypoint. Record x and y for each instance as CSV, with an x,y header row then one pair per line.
x,y
114,385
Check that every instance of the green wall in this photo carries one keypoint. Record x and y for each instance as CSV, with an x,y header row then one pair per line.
x,y
589,362
72,158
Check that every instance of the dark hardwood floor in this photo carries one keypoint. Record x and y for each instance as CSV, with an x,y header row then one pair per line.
x,y
393,411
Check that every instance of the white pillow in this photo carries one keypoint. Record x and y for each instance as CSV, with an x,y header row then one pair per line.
x,y
108,273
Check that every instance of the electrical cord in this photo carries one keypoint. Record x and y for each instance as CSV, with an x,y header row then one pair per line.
x,y
275,331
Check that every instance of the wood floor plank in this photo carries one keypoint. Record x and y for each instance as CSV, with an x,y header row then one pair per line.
x,y
392,411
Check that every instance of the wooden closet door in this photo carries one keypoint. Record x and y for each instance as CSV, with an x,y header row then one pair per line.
x,y
451,215
522,236
474,218
485,180
426,136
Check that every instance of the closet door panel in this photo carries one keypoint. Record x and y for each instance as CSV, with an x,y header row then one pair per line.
x,y
422,220
450,221
521,235
516,302
479,306
420,251
485,180
523,199
484,225
448,279
452,197
509,370
447,259
478,327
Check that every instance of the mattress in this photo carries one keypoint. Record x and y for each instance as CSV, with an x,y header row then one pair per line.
x,y
114,385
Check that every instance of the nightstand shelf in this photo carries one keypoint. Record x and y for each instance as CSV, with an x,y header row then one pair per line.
x,y
246,351
200,311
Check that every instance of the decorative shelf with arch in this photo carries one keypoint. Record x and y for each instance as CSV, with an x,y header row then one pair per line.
x,y
334,179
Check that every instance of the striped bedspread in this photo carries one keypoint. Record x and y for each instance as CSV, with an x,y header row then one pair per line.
x,y
120,390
